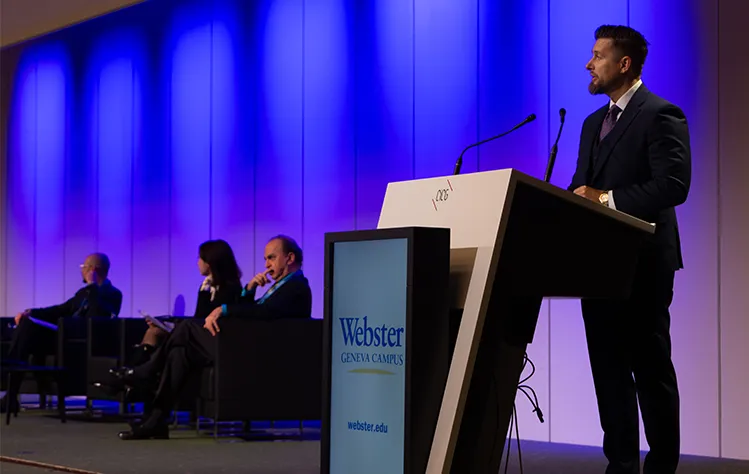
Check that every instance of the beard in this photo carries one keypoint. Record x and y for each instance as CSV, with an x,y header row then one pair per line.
x,y
596,89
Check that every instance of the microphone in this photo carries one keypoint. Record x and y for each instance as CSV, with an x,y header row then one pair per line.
x,y
553,155
459,163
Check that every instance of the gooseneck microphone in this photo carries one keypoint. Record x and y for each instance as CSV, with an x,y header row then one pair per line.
x,y
459,163
553,155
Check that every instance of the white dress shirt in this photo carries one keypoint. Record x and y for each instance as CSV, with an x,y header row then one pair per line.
x,y
622,104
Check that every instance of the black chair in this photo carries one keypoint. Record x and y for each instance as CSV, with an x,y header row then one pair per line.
x,y
110,345
264,371
129,334
56,373
80,344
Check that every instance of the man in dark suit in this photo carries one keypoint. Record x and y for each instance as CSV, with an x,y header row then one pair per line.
x,y
635,157
98,298
190,346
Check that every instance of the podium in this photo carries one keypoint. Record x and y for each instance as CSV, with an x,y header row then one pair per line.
x,y
514,240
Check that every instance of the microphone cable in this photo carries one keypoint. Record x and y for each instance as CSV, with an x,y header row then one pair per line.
x,y
533,399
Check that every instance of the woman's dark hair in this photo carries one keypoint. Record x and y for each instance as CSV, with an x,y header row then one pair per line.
x,y
220,257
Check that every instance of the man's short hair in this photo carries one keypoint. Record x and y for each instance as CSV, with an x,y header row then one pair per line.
x,y
102,263
628,42
289,245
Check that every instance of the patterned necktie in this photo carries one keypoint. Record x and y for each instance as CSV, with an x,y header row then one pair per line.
x,y
609,121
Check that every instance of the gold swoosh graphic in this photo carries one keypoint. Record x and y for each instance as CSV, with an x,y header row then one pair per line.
x,y
371,371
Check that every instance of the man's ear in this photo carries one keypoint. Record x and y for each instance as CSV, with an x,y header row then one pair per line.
x,y
292,258
625,64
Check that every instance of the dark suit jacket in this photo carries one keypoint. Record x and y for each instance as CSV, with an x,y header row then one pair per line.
x,y
292,300
226,294
646,161
91,300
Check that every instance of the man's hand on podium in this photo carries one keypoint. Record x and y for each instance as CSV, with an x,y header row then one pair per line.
x,y
589,193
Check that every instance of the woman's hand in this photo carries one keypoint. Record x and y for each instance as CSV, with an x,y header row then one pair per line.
x,y
211,322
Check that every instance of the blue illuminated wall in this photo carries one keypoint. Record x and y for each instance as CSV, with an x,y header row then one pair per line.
x,y
143,133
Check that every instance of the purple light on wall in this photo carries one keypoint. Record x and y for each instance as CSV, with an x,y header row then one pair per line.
x,y
329,159
115,153
81,164
384,69
445,86
52,77
190,140
513,82
151,177
278,166
21,178
233,135
114,97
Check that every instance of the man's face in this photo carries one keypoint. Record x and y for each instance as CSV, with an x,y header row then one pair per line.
x,y
606,68
276,261
87,269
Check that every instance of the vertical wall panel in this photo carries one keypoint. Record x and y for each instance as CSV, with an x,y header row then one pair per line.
x,y
81,189
152,173
115,161
7,66
51,101
734,230
233,133
190,149
445,89
573,417
278,181
694,312
513,82
514,37
21,223
329,179
384,61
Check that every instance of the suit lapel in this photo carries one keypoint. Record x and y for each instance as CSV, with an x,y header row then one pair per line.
x,y
607,145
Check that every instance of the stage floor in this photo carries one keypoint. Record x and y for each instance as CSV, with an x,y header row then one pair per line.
x,y
94,447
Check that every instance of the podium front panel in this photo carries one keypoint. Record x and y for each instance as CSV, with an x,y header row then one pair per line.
x,y
367,368
385,348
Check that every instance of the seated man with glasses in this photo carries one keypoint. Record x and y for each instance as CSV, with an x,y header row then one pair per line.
x,y
97,298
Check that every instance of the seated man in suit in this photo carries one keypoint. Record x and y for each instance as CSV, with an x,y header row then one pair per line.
x,y
98,298
190,346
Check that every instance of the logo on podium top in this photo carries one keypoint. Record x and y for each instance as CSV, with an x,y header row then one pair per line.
x,y
442,195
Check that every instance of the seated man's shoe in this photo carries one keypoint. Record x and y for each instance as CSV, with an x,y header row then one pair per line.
x,y
124,374
155,426
127,377
141,354
160,431
119,380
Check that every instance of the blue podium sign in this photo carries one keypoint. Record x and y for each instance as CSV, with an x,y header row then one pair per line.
x,y
386,348
368,372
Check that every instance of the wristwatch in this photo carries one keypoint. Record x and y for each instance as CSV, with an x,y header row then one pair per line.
x,y
603,198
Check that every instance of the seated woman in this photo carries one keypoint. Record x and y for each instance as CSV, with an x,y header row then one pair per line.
x,y
222,285
191,347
